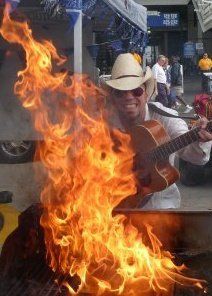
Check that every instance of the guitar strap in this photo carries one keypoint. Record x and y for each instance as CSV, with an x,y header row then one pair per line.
x,y
156,109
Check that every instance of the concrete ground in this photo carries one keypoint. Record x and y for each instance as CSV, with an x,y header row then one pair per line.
x,y
26,184
197,198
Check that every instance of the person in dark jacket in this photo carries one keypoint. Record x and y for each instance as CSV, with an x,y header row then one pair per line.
x,y
176,74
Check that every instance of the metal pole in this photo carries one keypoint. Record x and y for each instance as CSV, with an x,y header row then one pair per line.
x,y
78,44
77,40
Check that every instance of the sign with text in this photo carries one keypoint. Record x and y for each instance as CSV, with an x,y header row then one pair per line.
x,y
158,19
200,48
189,49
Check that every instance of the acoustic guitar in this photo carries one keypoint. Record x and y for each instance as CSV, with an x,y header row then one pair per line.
x,y
153,147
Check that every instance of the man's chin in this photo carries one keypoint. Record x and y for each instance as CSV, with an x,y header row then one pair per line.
x,y
132,115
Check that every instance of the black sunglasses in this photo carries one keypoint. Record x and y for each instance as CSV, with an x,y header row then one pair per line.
x,y
136,92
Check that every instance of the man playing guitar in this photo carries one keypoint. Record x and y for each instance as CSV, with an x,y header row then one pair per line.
x,y
130,89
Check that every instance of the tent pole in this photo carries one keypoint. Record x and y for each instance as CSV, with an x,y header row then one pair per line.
x,y
78,44
77,39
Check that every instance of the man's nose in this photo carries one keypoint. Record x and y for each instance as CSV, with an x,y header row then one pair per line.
x,y
128,94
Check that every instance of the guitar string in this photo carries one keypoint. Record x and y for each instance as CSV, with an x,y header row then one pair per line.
x,y
163,151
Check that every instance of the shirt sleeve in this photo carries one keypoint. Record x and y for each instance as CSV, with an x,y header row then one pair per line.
x,y
155,72
196,153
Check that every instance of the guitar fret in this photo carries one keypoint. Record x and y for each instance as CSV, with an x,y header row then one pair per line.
x,y
163,152
172,147
177,143
155,155
168,149
159,153
190,136
185,141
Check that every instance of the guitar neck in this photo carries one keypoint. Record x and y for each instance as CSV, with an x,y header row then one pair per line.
x,y
163,151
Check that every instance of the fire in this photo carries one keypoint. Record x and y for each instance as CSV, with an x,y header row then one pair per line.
x,y
88,176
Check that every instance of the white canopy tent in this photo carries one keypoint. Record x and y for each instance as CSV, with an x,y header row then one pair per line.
x,y
203,9
134,12
163,2
130,10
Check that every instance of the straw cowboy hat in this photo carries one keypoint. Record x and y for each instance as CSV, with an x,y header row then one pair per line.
x,y
127,74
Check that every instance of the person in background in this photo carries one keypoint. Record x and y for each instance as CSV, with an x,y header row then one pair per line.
x,y
129,90
159,75
171,95
166,68
205,65
137,57
176,75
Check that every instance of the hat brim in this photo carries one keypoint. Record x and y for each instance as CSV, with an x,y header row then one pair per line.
x,y
129,83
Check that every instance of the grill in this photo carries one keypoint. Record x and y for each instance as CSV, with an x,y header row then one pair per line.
x,y
187,236
24,271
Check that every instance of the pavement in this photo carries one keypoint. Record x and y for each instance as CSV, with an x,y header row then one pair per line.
x,y
192,86
195,198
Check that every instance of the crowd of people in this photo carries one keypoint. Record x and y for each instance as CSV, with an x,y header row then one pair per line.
x,y
168,75
169,83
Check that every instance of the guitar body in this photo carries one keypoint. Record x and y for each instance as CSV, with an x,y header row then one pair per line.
x,y
152,176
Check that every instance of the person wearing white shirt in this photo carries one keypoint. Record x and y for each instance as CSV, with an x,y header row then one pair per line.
x,y
176,74
160,81
129,90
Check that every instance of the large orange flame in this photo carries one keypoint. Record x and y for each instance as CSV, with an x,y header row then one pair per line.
x,y
88,175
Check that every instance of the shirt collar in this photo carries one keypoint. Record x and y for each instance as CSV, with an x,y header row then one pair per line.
x,y
147,114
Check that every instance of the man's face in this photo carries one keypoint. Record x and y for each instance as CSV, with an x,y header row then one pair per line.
x,y
205,56
131,103
162,61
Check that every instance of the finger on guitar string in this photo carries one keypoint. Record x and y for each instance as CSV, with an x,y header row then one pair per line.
x,y
205,136
202,122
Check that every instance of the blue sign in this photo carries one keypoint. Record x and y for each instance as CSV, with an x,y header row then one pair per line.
x,y
189,49
159,19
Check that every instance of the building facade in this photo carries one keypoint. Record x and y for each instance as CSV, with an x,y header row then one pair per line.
x,y
175,26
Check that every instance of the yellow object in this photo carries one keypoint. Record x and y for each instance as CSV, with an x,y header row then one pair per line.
x,y
10,216
205,64
137,57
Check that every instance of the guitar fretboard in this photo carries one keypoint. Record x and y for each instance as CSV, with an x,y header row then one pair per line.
x,y
163,151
